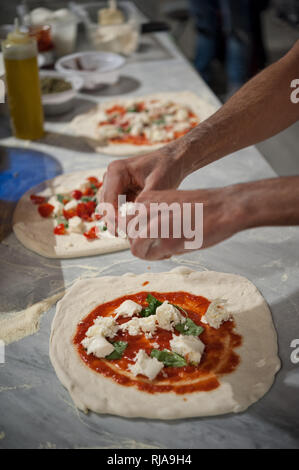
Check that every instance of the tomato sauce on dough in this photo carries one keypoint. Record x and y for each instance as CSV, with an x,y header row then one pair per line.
x,y
219,356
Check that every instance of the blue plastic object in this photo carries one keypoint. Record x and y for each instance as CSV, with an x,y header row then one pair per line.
x,y
21,169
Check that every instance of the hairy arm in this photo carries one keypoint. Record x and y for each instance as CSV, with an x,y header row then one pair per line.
x,y
259,110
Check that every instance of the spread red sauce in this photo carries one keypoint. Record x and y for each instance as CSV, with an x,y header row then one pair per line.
x,y
218,358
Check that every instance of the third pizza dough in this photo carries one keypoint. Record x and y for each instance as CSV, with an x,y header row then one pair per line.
x,y
157,366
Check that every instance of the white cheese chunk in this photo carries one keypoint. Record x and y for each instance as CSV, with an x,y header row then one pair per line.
x,y
138,325
182,114
145,365
127,309
181,126
168,316
216,314
76,224
136,129
103,326
58,206
190,347
107,132
98,346
72,204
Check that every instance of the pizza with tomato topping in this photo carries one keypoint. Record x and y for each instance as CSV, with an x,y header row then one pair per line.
x,y
59,219
129,126
164,345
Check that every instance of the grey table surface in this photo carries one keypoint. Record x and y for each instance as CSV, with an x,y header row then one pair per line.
x,y
37,412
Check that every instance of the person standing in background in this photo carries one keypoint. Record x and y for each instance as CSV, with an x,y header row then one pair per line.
x,y
239,21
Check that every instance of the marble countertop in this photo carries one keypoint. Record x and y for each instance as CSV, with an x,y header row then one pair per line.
x,y
35,410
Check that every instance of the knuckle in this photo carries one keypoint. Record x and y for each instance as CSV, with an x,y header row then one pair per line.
x,y
115,166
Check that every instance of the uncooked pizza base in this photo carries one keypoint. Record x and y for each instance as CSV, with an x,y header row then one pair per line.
x,y
247,384
85,124
36,232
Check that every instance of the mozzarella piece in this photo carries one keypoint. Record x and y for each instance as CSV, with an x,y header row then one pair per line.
x,y
145,365
216,314
58,206
190,347
168,316
138,118
135,326
107,132
72,204
127,309
182,114
181,126
137,129
98,346
76,224
103,326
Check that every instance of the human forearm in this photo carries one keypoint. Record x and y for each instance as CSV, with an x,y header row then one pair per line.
x,y
268,202
261,109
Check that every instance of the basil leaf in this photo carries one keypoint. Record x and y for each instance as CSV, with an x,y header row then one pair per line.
x,y
88,198
62,198
189,328
169,359
132,110
94,188
159,121
119,348
153,303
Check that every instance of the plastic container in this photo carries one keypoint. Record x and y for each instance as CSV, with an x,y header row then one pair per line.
x,y
95,68
120,38
62,102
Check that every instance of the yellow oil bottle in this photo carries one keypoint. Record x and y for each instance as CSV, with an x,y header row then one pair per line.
x,y
23,85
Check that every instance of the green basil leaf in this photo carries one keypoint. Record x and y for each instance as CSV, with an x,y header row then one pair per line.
x,y
159,121
189,328
119,348
153,303
88,198
94,188
132,110
62,198
169,358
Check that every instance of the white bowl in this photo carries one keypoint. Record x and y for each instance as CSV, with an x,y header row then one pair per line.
x,y
99,68
62,102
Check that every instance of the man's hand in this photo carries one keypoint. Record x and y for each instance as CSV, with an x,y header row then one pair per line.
x,y
221,213
158,170
226,211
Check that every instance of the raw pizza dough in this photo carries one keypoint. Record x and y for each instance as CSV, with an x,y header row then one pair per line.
x,y
36,232
247,384
85,124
